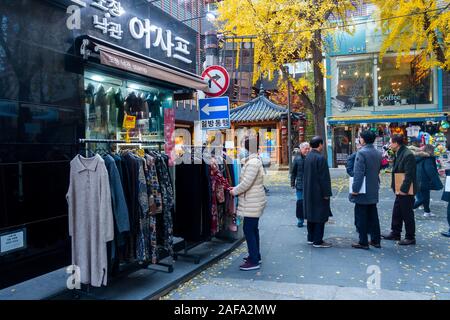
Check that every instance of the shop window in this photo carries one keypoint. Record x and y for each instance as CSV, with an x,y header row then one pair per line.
x,y
109,99
403,84
342,145
353,85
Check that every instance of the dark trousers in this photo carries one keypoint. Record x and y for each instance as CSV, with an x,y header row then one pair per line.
x,y
403,213
299,210
315,232
367,223
251,233
423,198
448,216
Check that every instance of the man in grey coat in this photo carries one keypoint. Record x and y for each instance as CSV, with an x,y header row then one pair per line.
x,y
367,167
317,193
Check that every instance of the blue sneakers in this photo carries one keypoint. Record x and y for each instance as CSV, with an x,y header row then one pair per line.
x,y
300,223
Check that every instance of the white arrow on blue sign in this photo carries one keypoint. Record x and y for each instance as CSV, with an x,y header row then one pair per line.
x,y
214,113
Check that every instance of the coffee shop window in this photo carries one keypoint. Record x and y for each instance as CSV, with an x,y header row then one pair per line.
x,y
352,84
404,83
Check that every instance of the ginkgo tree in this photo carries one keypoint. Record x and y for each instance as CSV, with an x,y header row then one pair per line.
x,y
422,25
288,31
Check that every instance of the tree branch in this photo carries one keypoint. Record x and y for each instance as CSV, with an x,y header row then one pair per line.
x,y
437,49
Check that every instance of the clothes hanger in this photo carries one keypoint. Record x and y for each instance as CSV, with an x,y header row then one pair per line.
x,y
86,152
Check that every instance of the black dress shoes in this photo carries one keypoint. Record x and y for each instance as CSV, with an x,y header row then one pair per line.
x,y
391,236
407,242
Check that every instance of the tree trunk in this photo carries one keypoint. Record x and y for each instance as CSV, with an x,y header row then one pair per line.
x,y
319,88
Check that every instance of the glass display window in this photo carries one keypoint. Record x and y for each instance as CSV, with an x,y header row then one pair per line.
x,y
352,84
364,84
405,83
108,100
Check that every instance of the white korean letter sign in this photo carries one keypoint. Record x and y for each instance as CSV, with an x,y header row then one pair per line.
x,y
214,113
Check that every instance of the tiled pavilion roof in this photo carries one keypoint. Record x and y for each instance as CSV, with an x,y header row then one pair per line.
x,y
260,109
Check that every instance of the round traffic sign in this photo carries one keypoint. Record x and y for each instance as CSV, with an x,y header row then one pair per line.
x,y
218,80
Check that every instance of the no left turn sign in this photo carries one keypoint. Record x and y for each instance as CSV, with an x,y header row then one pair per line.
x,y
218,80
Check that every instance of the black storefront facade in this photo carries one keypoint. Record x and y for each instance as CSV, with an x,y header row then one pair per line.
x,y
53,55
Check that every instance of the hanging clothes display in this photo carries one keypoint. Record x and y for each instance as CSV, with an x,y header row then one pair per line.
x,y
168,199
223,203
90,108
143,237
155,202
91,223
218,183
204,206
151,197
101,110
131,208
112,111
120,213
189,211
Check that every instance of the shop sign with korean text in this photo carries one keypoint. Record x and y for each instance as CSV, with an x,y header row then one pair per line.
x,y
137,26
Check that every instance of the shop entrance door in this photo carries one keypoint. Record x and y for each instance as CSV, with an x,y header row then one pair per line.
x,y
342,145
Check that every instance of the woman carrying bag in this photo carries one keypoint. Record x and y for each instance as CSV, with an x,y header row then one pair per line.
x,y
251,202
427,177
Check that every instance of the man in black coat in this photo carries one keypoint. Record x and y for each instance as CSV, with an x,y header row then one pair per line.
x,y
317,193
404,162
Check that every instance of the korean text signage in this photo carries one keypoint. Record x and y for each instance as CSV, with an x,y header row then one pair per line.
x,y
117,61
137,26
214,113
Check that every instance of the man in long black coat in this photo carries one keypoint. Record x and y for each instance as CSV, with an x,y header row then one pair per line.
x,y
317,193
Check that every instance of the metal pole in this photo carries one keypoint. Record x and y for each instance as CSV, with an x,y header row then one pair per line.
x,y
289,138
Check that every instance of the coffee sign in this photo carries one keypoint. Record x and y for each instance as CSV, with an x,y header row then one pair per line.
x,y
391,97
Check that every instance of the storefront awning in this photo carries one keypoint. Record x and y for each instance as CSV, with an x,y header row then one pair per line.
x,y
114,57
413,117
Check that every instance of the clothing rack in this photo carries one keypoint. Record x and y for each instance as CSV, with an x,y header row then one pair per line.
x,y
121,141
124,142
158,266
162,267
195,257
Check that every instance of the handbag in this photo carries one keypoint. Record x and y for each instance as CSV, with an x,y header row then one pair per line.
x,y
435,181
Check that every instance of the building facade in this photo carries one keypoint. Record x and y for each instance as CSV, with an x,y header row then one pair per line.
x,y
385,95
61,64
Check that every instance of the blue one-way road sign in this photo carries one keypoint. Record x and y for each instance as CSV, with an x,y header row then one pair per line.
x,y
214,113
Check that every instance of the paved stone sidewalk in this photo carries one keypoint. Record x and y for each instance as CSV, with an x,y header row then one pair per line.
x,y
291,269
